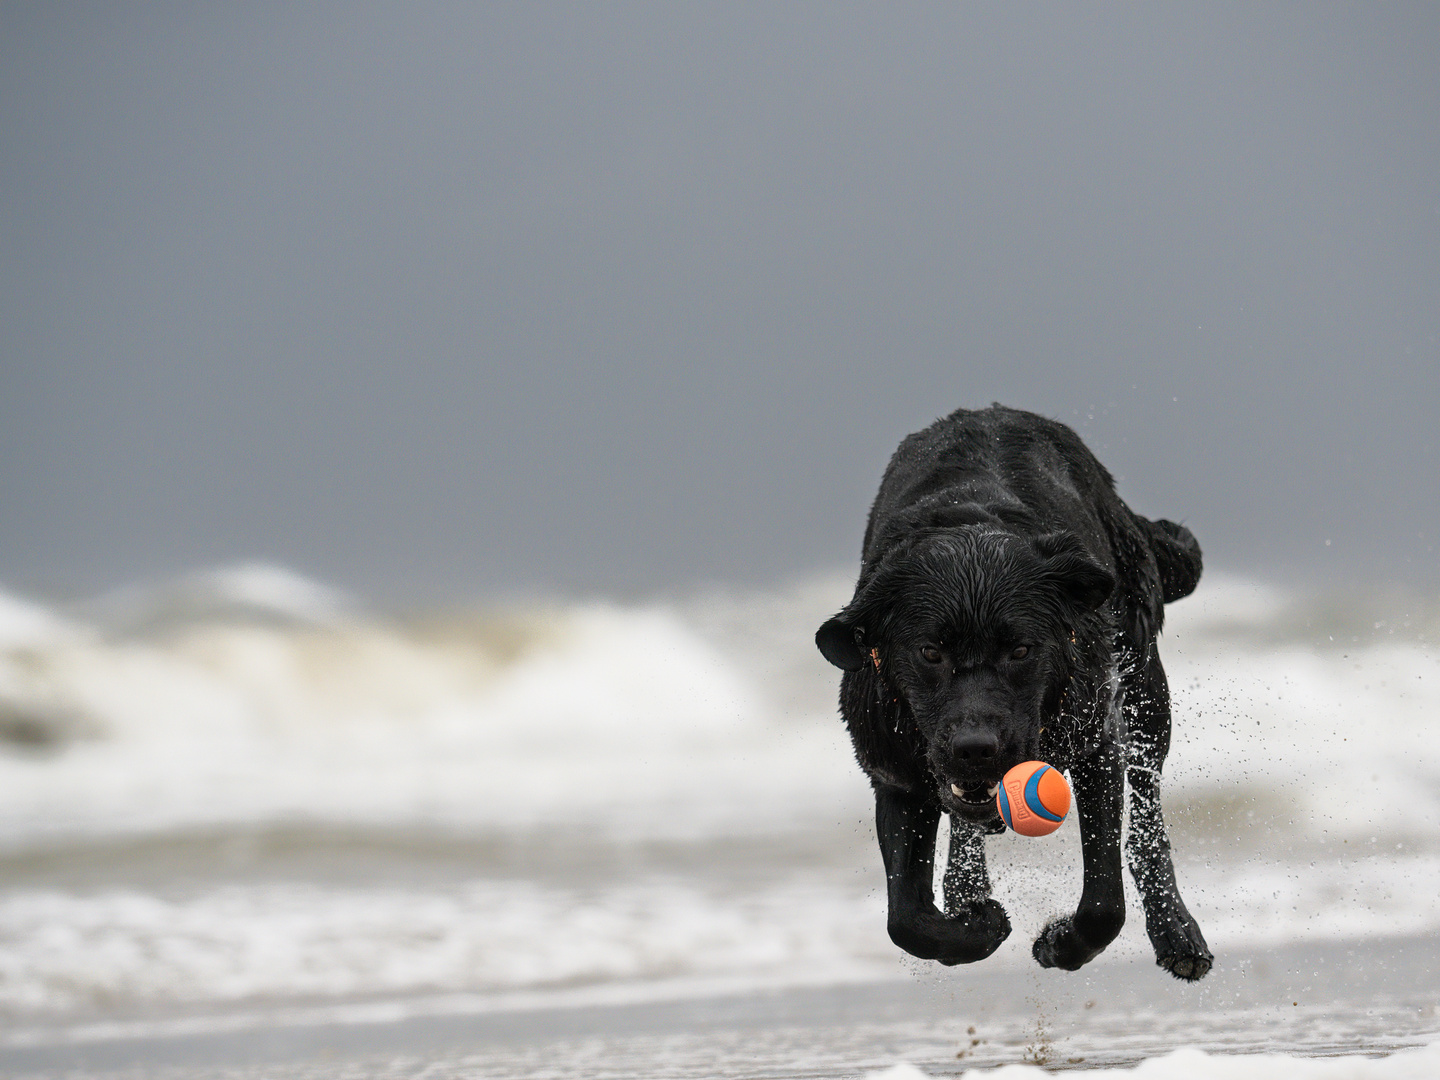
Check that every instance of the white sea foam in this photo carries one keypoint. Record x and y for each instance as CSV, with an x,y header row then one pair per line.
x,y
61,951
24,624
1422,1063
1339,737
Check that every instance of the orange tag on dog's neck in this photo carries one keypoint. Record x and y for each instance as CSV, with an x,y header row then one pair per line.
x,y
875,655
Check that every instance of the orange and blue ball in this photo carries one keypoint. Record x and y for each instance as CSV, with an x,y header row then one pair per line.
x,y
1033,798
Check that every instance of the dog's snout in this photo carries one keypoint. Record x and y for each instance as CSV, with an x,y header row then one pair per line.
x,y
974,748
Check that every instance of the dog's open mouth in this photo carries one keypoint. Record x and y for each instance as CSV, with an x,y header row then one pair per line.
x,y
975,793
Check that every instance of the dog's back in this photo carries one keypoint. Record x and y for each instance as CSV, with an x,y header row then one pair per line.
x,y
1032,475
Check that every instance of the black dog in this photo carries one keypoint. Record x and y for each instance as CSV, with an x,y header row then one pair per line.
x,y
1007,611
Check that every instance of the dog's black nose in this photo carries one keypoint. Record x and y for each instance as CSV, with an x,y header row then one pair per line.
x,y
974,747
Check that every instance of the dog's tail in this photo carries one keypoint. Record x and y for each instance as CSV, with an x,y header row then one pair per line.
x,y
1177,554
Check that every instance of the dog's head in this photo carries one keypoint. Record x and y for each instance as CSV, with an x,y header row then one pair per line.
x,y
974,628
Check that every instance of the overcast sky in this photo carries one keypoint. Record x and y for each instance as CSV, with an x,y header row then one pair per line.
x,y
436,301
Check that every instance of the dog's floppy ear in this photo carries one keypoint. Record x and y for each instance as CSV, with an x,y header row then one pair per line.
x,y
839,641
1070,569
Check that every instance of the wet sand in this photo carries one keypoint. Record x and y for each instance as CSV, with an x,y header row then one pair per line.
x,y
1367,997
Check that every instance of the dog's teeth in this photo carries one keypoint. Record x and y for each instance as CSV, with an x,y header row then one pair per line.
x,y
956,789
993,790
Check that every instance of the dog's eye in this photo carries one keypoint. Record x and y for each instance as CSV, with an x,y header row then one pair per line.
x,y
1019,652
931,654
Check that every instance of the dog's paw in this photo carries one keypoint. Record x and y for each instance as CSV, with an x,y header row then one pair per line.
x,y
1059,947
1180,946
986,926
971,933
1062,945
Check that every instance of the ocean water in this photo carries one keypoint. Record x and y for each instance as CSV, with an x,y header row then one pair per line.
x,y
240,801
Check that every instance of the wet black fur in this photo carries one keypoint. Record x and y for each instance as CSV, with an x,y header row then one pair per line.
x,y
997,541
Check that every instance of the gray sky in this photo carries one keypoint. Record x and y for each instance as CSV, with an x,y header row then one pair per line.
x,y
450,300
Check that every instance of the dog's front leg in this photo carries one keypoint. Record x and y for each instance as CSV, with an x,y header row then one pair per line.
x,y
1179,945
1075,940
967,877
906,827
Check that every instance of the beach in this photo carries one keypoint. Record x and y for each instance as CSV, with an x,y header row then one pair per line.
x,y
1366,999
